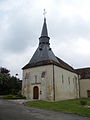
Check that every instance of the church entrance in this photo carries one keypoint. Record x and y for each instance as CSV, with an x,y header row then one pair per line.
x,y
35,92
88,93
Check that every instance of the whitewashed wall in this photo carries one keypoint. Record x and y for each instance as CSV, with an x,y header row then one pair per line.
x,y
45,85
67,88
84,87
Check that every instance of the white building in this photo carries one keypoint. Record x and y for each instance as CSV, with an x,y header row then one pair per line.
x,y
47,77
84,82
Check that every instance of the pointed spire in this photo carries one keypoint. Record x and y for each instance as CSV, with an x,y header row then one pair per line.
x,y
44,39
44,29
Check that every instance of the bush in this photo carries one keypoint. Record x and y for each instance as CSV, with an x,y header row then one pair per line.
x,y
83,102
10,96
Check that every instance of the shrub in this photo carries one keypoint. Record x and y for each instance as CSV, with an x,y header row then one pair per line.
x,y
83,102
13,97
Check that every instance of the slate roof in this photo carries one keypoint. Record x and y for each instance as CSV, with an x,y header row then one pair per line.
x,y
61,64
64,65
44,54
83,72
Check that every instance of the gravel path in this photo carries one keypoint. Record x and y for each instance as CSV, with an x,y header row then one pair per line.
x,y
14,110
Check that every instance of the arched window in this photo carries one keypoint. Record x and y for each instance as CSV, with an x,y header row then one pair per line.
x,y
62,79
43,74
69,80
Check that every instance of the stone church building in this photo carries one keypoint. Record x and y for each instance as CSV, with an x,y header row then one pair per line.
x,y
84,81
46,76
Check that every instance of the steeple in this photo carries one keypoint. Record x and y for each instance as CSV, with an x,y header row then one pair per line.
x,y
44,53
44,39
44,29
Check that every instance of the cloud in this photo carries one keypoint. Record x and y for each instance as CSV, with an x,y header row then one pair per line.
x,y
18,36
16,29
21,23
15,62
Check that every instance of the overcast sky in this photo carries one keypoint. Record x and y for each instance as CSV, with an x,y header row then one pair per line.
x,y
21,23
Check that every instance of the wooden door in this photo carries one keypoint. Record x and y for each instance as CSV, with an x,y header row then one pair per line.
x,y
88,93
35,92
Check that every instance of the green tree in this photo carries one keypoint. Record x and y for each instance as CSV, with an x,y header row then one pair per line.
x,y
8,83
4,71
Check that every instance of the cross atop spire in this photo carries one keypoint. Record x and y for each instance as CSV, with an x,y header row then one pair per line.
x,y
44,13
44,29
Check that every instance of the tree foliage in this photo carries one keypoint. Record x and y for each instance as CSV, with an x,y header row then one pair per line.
x,y
8,83
4,71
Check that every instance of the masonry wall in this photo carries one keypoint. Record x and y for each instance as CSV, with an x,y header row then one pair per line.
x,y
84,87
66,84
33,77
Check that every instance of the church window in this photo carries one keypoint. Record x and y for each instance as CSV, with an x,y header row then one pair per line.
x,y
43,74
27,76
25,83
75,77
69,80
40,48
49,48
26,79
62,79
35,78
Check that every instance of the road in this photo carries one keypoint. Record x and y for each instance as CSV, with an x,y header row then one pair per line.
x,y
15,111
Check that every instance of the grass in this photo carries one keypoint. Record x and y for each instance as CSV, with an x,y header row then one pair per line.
x,y
10,96
70,106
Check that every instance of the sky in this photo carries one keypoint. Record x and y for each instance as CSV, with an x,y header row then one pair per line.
x,y
21,23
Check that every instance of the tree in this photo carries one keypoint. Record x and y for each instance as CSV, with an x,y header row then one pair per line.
x,y
4,71
4,79
8,83
14,86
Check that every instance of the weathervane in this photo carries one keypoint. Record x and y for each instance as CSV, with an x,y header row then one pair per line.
x,y
44,13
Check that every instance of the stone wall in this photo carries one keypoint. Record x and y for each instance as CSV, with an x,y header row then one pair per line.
x,y
39,76
66,84
84,87
45,77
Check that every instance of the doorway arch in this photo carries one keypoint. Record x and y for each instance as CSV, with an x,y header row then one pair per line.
x,y
35,92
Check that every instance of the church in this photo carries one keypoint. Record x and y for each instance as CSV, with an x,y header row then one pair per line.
x,y
46,76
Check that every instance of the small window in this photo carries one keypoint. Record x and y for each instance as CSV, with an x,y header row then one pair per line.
x,y
27,76
62,79
40,48
75,77
43,74
69,80
35,78
49,48
24,83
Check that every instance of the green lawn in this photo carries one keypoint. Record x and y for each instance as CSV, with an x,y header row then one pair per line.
x,y
70,106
